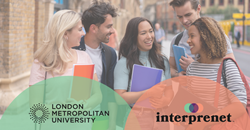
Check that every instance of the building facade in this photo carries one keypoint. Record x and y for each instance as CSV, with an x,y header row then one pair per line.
x,y
161,13
205,4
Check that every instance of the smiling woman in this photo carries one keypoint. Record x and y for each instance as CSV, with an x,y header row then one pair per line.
x,y
139,47
207,39
55,57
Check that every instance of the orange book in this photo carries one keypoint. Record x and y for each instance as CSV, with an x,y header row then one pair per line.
x,y
86,71
81,87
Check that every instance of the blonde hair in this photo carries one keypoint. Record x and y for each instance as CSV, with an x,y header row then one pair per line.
x,y
54,53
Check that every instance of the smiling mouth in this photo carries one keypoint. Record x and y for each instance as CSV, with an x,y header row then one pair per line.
x,y
108,35
148,42
191,47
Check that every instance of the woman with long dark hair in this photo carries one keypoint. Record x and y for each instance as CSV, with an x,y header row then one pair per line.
x,y
138,47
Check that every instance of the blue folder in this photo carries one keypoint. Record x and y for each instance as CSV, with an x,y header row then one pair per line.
x,y
144,77
178,52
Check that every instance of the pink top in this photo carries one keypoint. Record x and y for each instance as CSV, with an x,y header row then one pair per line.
x,y
37,74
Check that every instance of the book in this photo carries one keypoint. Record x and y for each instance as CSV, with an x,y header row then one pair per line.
x,y
81,87
144,77
86,71
178,52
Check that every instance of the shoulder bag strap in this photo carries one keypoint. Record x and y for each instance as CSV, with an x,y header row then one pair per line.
x,y
219,74
178,38
107,55
44,94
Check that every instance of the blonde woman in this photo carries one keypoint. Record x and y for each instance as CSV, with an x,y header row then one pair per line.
x,y
56,58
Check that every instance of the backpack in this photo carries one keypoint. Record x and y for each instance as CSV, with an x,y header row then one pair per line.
x,y
221,72
178,38
108,54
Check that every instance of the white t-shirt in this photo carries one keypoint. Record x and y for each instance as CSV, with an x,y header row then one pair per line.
x,y
183,43
96,56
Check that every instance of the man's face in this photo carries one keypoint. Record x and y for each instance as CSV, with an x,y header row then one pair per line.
x,y
157,26
186,14
105,29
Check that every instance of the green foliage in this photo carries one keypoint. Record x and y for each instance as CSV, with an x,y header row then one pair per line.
x,y
228,11
214,10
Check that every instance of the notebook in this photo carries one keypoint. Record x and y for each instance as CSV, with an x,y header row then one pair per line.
x,y
178,52
86,71
144,77
81,87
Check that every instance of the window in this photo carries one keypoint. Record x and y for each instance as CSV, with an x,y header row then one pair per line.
x,y
60,4
122,4
240,2
230,1
249,6
211,2
59,1
203,3
221,2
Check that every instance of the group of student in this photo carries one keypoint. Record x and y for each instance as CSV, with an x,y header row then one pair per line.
x,y
203,39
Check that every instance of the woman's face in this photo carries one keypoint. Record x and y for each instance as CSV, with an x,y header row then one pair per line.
x,y
145,37
194,40
73,37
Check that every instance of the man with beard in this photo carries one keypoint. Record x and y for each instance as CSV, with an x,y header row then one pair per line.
x,y
98,23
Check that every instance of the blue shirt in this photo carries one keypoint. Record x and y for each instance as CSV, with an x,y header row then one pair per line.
x,y
159,33
121,73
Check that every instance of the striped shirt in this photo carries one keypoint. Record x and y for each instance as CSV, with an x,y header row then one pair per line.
x,y
206,90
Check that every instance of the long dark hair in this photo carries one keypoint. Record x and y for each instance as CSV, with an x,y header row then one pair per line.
x,y
129,48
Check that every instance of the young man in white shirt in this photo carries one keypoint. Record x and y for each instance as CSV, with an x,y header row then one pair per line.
x,y
98,23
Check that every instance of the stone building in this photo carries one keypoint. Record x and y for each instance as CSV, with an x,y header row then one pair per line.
x,y
161,13
22,24
17,35
205,4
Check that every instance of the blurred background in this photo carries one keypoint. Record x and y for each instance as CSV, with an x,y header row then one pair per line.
x,y
22,24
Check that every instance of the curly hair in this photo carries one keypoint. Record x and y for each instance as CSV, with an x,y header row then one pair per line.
x,y
212,37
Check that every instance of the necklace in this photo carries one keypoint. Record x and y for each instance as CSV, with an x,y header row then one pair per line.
x,y
144,62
